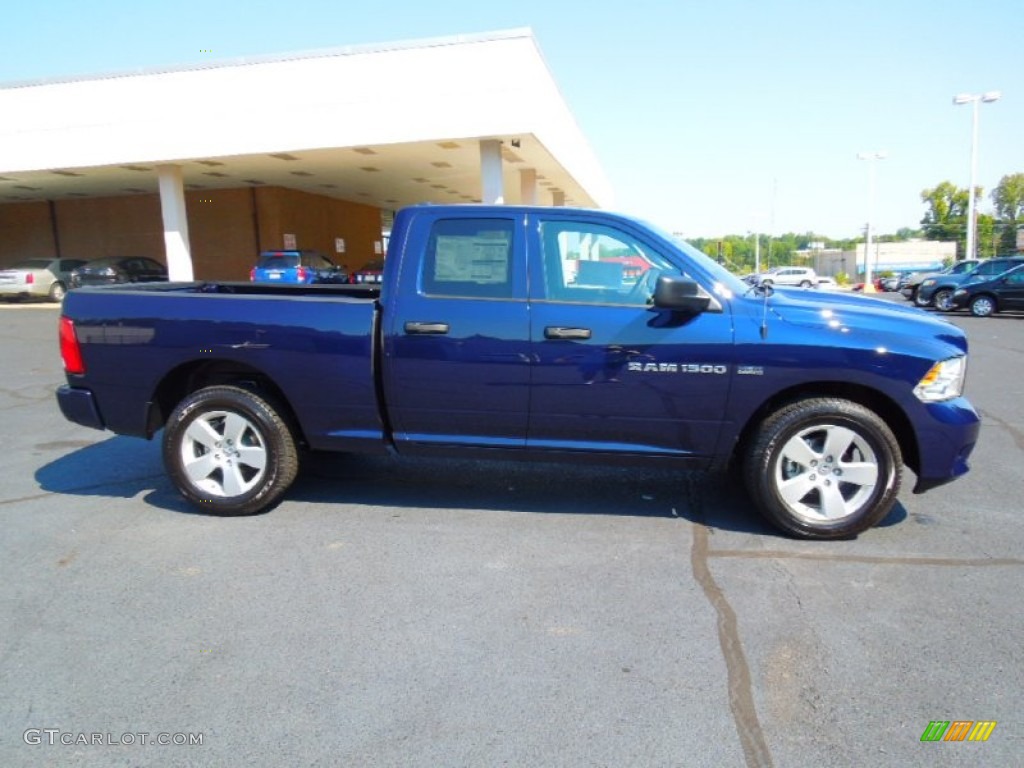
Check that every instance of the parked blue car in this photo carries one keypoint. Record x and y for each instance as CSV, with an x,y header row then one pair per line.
x,y
296,267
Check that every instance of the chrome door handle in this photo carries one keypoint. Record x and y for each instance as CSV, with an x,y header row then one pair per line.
x,y
427,329
560,332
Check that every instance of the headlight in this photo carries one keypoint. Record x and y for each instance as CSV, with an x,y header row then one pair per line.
x,y
944,381
926,283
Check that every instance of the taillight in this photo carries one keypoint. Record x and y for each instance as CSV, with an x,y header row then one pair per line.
x,y
29,278
70,352
301,272
252,275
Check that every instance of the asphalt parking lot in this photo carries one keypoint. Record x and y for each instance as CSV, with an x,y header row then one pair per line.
x,y
433,613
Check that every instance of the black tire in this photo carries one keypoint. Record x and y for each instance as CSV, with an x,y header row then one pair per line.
x,y
57,291
943,299
229,452
793,462
983,305
920,300
805,283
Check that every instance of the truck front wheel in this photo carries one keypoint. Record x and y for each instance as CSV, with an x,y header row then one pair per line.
x,y
823,468
228,451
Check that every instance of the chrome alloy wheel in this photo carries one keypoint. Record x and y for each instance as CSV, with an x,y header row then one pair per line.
x,y
826,473
943,299
983,306
223,453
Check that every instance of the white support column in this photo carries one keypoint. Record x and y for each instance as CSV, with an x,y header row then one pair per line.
x,y
528,186
557,198
492,182
172,206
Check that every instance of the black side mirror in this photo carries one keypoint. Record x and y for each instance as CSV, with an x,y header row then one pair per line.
x,y
680,294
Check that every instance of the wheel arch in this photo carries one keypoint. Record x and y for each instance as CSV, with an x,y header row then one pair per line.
x,y
886,408
189,377
988,295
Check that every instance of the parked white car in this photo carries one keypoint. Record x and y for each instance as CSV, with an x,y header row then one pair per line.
x,y
827,284
39,278
805,277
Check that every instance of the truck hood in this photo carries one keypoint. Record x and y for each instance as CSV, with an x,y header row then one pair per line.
x,y
882,321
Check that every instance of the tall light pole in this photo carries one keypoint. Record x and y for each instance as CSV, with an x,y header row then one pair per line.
x,y
871,157
975,99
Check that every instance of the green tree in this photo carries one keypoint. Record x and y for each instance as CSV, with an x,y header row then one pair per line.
x,y
987,240
946,217
1008,198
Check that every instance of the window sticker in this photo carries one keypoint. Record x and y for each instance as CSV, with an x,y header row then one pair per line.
x,y
479,258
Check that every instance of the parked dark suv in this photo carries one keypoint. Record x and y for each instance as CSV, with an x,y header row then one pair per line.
x,y
910,283
939,290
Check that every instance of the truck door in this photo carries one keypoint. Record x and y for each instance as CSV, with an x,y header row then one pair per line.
x,y
612,373
456,336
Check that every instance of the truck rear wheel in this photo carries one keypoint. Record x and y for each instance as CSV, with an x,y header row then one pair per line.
x,y
823,468
229,452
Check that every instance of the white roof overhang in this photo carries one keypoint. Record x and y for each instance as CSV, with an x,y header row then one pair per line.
x,y
385,125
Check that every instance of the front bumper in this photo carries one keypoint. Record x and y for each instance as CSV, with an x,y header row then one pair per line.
x,y
960,302
945,442
79,406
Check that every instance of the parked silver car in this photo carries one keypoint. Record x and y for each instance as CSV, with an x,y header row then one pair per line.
x,y
38,278
805,277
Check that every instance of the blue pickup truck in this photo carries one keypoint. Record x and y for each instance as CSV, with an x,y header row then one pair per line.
x,y
536,334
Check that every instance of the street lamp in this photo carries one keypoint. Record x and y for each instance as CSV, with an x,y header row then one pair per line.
x,y
871,157
973,98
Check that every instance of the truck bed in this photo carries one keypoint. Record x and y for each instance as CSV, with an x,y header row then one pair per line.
x,y
315,342
356,291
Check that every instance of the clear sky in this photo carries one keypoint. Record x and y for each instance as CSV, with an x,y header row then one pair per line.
x,y
710,117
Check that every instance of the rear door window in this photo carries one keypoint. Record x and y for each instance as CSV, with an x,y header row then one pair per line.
x,y
469,258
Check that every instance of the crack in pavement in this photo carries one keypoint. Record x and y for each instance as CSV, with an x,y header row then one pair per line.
x,y
741,697
1014,432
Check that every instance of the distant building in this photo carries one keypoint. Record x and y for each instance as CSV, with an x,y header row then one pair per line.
x,y
909,256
